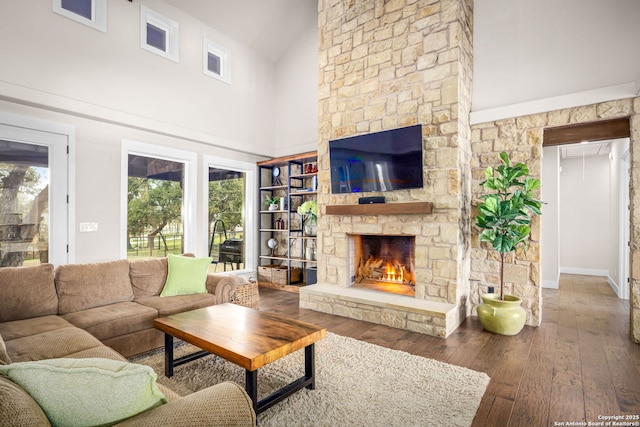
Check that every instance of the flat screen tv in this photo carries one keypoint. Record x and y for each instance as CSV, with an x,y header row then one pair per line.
x,y
382,161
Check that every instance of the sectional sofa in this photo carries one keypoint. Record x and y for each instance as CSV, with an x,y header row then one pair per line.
x,y
104,311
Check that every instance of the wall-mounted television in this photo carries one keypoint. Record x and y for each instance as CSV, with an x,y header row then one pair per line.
x,y
382,161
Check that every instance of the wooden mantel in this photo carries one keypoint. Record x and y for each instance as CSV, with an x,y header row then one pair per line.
x,y
409,208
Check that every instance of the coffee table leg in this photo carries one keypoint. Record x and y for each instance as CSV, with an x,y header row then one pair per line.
x,y
168,355
251,386
310,365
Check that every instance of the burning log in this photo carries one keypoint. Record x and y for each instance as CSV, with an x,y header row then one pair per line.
x,y
367,270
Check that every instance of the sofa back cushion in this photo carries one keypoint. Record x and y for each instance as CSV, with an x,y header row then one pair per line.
x,y
83,286
148,276
27,292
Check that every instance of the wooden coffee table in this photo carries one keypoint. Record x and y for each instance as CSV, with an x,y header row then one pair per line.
x,y
249,338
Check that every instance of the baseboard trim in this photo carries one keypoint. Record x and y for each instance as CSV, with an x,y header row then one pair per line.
x,y
614,286
550,284
584,271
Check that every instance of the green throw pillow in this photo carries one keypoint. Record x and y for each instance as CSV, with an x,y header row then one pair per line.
x,y
186,276
87,392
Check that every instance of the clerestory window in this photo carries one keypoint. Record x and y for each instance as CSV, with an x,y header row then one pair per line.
x,y
92,13
158,34
216,61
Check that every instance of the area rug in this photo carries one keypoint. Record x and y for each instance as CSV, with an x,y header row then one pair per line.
x,y
358,384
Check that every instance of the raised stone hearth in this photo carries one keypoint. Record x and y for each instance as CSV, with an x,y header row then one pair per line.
x,y
398,311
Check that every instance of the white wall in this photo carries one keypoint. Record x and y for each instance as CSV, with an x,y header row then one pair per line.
x,y
297,96
55,62
550,217
532,56
585,216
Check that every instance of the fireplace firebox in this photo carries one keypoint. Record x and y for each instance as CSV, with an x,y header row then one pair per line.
x,y
384,263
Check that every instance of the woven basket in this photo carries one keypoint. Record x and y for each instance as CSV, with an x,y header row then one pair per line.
x,y
247,295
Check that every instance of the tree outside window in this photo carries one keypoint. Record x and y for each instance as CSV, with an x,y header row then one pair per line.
x,y
154,207
24,204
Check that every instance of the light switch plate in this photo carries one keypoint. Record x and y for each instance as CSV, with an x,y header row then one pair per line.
x,y
88,227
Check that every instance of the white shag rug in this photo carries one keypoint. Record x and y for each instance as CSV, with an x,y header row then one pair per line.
x,y
357,384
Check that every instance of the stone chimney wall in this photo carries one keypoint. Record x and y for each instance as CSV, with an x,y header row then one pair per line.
x,y
392,63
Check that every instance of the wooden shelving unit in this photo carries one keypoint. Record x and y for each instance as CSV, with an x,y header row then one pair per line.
x,y
297,186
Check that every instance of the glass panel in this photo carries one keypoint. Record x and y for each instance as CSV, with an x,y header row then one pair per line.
x,y
154,209
79,7
227,190
24,204
213,63
156,37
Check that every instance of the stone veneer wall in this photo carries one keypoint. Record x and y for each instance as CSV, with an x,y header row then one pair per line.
x,y
386,64
522,138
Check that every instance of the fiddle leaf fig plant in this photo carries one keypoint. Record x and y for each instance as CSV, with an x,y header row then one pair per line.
x,y
505,214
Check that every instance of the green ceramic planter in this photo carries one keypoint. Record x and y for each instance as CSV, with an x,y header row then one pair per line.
x,y
502,317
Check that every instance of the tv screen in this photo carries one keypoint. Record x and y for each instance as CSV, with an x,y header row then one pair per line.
x,y
381,161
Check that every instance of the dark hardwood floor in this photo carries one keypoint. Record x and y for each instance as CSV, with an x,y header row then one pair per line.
x,y
579,365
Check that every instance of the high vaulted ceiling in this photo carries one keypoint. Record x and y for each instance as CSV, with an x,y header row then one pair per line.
x,y
524,50
266,26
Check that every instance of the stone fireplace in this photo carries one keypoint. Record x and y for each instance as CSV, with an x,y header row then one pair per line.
x,y
386,64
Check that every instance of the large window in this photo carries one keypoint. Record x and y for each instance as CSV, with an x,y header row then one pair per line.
x,y
230,194
227,193
159,220
154,209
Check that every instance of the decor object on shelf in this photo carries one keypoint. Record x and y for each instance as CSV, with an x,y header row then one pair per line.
x,y
505,217
284,203
275,173
272,244
309,212
310,251
272,202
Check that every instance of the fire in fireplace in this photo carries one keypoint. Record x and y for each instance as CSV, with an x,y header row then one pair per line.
x,y
385,263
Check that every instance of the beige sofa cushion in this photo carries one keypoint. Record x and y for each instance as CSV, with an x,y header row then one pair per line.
x,y
167,306
17,408
36,325
50,345
223,404
27,292
83,286
113,320
148,276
